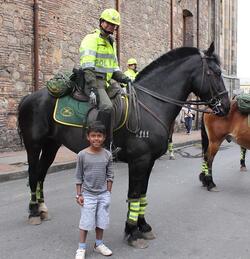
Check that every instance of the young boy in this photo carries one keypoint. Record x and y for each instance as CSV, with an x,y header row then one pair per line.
x,y
94,178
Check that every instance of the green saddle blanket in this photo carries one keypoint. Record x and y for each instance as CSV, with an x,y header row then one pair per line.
x,y
71,112
243,101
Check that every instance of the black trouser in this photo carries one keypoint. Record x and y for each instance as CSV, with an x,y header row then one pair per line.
x,y
105,117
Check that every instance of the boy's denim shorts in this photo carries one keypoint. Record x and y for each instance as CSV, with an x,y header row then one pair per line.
x,y
95,211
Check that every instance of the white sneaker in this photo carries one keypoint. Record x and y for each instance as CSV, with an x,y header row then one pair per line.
x,y
102,249
80,254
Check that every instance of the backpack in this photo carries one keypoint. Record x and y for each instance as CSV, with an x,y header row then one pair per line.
x,y
243,101
60,85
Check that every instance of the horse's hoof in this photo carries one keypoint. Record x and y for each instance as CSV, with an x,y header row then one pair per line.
x,y
44,216
138,243
148,235
202,179
172,157
243,169
44,212
213,189
204,184
35,220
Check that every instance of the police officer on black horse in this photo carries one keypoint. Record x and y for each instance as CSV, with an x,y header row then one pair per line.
x,y
99,62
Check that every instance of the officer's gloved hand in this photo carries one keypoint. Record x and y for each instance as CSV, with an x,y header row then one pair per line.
x,y
126,80
92,98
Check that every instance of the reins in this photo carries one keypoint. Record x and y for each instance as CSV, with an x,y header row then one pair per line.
x,y
154,115
213,101
133,110
174,101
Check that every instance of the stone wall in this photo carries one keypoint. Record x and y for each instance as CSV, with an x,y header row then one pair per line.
x,y
144,34
15,64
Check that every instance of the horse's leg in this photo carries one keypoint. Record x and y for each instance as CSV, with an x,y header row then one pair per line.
x,y
49,151
33,154
143,226
204,170
137,173
242,159
206,175
204,144
209,150
171,149
207,178
170,142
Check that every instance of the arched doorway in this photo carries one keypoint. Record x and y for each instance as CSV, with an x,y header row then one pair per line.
x,y
188,33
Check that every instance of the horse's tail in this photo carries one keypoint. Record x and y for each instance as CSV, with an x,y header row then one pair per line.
x,y
19,130
204,136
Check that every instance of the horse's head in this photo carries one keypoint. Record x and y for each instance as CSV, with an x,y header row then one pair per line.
x,y
209,85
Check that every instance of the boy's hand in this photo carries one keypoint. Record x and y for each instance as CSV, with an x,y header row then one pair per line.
x,y
80,200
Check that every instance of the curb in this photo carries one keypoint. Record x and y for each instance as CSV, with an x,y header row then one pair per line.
x,y
11,176
5,177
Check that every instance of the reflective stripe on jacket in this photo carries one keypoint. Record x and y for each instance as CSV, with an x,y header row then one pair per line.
x,y
97,53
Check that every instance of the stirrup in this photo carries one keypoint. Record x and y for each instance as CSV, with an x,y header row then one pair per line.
x,y
114,150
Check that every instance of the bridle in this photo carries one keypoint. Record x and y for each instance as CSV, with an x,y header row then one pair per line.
x,y
214,102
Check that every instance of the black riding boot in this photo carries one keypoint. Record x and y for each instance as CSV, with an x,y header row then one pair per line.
x,y
105,118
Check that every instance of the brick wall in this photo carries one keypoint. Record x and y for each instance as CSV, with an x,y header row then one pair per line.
x,y
144,34
15,64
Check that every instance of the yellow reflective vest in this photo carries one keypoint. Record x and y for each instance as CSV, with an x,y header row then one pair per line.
x,y
131,74
98,54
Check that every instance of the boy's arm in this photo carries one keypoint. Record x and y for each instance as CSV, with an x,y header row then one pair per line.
x,y
109,185
78,189
79,197
110,174
79,180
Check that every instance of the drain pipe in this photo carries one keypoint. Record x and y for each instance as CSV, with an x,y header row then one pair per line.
x,y
36,45
118,41
198,45
198,24
171,25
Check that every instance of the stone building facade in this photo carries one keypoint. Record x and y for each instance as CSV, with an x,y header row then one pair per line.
x,y
149,28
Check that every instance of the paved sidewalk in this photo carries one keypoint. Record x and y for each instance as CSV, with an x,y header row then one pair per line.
x,y
13,165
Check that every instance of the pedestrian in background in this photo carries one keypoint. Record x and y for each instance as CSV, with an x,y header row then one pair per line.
x,y
94,179
188,117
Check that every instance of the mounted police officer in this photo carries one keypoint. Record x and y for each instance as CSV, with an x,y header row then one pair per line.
x,y
131,72
99,62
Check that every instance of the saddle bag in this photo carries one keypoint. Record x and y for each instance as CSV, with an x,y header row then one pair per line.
x,y
60,85
243,101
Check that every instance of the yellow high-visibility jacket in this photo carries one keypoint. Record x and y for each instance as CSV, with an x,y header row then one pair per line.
x,y
131,74
99,54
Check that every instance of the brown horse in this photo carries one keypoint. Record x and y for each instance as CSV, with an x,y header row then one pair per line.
x,y
214,131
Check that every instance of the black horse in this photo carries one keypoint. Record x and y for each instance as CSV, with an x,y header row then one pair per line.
x,y
159,87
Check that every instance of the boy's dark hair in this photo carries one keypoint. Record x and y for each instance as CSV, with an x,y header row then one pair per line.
x,y
96,126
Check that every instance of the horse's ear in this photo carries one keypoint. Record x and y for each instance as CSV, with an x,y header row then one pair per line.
x,y
210,50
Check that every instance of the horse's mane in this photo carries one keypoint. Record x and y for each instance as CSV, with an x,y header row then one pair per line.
x,y
167,58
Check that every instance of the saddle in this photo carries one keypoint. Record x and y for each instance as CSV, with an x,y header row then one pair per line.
x,y
71,112
72,107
